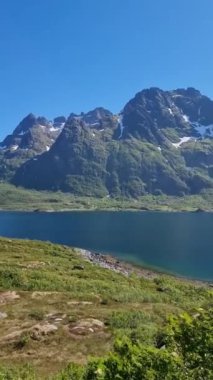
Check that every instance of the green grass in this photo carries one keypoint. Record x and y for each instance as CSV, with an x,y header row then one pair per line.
x,y
15,198
48,286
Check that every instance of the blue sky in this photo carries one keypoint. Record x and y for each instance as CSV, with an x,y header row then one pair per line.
x,y
63,56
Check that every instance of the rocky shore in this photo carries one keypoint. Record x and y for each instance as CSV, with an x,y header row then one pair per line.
x,y
109,262
127,269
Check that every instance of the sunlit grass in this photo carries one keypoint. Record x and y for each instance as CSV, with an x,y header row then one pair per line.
x,y
47,281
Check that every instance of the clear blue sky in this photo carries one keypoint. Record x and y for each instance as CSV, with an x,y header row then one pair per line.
x,y
63,56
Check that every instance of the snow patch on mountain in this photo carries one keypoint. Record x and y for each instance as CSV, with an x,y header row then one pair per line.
x,y
95,124
182,140
56,127
120,122
22,133
14,147
177,96
42,126
186,118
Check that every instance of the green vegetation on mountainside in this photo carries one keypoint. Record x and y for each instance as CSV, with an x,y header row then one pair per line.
x,y
18,199
84,162
56,308
160,144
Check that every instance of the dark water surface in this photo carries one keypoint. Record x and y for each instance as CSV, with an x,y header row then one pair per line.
x,y
181,243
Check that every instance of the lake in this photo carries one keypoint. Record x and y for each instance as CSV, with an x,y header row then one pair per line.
x,y
180,243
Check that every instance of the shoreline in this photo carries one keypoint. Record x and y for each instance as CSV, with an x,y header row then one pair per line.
x,y
116,265
142,210
119,265
127,269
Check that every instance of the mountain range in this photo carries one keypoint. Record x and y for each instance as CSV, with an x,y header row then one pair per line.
x,y
161,142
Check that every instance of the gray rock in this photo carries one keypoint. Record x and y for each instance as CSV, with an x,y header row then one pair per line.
x,y
3,315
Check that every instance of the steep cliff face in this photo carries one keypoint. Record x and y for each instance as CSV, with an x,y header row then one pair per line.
x,y
161,142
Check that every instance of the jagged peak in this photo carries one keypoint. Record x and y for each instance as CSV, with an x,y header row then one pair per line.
x,y
97,112
74,120
26,123
154,91
100,109
189,92
59,119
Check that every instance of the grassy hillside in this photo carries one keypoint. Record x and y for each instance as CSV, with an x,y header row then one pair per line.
x,y
16,198
56,307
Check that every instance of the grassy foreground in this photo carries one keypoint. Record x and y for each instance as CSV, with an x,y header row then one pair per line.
x,y
56,307
13,198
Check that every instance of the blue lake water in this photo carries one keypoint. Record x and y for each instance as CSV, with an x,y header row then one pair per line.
x,y
180,243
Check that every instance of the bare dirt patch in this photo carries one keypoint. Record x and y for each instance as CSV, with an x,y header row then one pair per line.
x,y
6,297
79,303
38,295
33,265
3,315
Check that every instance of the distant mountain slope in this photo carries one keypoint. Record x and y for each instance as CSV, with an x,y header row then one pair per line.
x,y
161,142
33,136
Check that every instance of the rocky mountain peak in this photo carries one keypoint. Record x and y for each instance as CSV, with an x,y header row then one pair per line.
x,y
152,113
32,137
28,122
96,115
189,92
197,107
99,118
148,113
74,122
33,130
161,142
59,119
